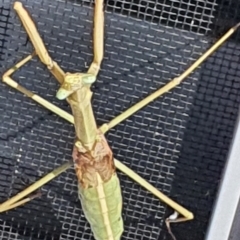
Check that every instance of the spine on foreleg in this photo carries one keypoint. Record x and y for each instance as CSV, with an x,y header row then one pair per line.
x,y
102,206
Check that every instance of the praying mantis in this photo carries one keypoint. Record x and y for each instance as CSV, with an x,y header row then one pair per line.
x,y
94,163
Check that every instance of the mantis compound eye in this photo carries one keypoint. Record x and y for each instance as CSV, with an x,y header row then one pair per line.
x,y
89,79
63,94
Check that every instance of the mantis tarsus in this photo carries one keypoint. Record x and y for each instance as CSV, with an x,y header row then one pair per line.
x,y
92,157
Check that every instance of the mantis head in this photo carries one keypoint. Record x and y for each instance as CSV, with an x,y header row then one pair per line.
x,y
73,82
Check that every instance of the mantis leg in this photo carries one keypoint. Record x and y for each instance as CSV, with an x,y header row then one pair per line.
x,y
20,199
173,219
169,86
183,211
54,68
37,42
18,203
8,80
98,38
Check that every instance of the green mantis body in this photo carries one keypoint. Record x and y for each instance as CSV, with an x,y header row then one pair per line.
x,y
93,204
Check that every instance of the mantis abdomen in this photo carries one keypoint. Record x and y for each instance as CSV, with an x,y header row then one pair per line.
x,y
102,206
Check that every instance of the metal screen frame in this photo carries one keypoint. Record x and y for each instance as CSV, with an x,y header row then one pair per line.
x,y
227,200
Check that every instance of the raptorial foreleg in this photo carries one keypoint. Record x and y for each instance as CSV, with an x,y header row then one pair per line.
x,y
38,43
98,38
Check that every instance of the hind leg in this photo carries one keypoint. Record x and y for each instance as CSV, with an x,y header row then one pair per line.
x,y
19,199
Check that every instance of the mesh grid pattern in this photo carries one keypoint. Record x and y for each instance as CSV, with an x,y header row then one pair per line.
x,y
186,14
139,58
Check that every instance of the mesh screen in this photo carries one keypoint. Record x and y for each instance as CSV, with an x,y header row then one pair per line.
x,y
190,15
173,143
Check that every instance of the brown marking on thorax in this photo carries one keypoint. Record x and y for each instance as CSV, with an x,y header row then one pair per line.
x,y
97,160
